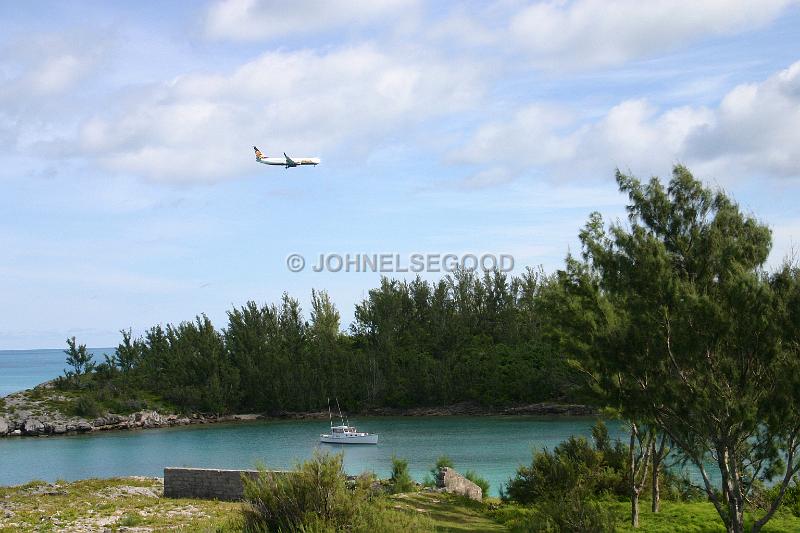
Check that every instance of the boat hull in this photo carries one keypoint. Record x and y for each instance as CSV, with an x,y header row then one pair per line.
x,y
349,439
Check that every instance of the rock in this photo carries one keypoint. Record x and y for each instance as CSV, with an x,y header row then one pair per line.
x,y
83,426
59,429
31,426
3,426
16,432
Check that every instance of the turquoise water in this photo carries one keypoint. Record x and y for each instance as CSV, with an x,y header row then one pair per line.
x,y
492,446
23,369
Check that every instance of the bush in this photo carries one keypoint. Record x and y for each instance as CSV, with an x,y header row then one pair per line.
x,y
478,480
400,480
442,462
86,406
313,495
573,466
314,498
572,514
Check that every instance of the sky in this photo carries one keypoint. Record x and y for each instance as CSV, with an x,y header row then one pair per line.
x,y
131,196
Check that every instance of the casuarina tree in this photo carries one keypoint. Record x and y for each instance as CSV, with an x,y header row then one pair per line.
x,y
676,321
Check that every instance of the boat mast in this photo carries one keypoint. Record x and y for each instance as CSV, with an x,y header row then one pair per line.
x,y
330,417
340,411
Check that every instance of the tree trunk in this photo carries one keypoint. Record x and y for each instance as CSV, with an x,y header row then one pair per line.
x,y
656,503
657,453
638,464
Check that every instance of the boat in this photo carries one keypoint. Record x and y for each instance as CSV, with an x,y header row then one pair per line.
x,y
344,433
348,435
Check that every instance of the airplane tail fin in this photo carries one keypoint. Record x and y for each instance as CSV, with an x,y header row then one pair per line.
x,y
259,155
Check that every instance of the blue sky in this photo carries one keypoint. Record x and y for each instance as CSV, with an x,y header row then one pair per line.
x,y
131,196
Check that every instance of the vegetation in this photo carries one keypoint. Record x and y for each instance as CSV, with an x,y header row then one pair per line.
x,y
78,358
676,323
400,480
466,338
315,497
108,504
478,480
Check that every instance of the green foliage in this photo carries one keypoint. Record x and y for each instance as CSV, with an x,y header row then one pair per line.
x,y
573,467
465,338
78,357
86,406
313,495
478,480
442,462
129,520
673,320
400,480
569,514
314,498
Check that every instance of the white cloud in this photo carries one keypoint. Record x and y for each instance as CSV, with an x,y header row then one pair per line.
x,y
531,136
47,65
589,33
756,128
200,127
752,132
248,20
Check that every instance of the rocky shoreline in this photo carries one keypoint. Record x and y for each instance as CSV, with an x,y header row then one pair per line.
x,y
22,416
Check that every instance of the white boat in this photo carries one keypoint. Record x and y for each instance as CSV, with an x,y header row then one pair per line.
x,y
345,433
348,435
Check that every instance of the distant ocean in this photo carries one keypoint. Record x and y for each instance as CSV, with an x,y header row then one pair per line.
x,y
22,369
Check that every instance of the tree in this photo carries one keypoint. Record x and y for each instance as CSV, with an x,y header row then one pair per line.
x,y
78,357
674,317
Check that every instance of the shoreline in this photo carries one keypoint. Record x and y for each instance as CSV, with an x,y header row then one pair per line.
x,y
21,416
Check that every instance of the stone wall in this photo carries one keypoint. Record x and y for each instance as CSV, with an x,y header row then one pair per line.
x,y
454,483
205,483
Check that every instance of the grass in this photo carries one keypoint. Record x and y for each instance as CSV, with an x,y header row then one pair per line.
x,y
449,513
696,517
118,503
98,504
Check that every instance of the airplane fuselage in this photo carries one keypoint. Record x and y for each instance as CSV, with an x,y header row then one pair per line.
x,y
294,161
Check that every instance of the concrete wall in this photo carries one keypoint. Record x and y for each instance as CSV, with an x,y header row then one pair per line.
x,y
454,483
205,483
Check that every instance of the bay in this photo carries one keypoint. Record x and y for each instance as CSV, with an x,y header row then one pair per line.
x,y
492,446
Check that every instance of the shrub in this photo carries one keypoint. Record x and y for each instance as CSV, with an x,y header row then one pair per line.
x,y
314,498
478,480
313,495
130,520
442,462
574,465
572,514
400,480
86,406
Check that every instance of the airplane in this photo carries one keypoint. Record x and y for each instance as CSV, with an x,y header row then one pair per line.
x,y
285,161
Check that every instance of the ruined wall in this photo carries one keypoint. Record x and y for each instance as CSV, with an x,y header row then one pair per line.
x,y
454,483
205,483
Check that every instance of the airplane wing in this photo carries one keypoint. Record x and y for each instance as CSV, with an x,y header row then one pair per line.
x,y
289,161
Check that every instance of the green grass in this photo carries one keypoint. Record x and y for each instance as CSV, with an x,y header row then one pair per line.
x,y
95,504
696,517
449,513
